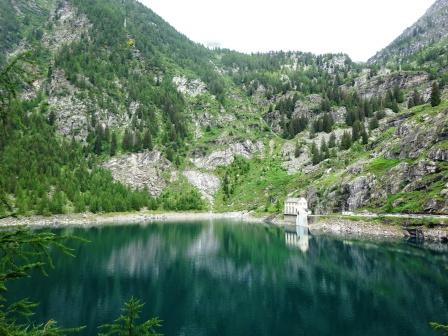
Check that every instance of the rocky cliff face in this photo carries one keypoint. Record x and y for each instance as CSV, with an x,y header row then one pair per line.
x,y
379,85
147,170
68,26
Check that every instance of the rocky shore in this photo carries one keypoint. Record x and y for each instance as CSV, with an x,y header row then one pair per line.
x,y
356,228
346,227
89,219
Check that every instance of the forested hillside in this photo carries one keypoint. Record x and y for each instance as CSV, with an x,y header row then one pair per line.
x,y
115,110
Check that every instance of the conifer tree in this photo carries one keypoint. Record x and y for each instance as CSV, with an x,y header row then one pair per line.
x,y
398,94
327,123
127,141
147,140
394,106
136,141
364,135
356,131
415,99
97,147
297,149
324,154
332,141
346,141
127,324
435,95
325,105
315,155
350,118
113,144
373,123
106,134
52,117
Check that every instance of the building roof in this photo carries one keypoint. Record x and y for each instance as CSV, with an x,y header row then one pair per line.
x,y
293,200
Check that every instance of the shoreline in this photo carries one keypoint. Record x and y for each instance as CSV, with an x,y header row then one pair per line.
x,y
334,225
90,219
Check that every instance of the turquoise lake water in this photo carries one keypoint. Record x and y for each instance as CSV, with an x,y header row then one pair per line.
x,y
232,278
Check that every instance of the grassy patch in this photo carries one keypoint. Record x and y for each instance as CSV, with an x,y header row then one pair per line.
x,y
381,165
261,186
442,145
410,202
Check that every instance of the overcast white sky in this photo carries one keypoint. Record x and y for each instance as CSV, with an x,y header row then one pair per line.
x,y
356,27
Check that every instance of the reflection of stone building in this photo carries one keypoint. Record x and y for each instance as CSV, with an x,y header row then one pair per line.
x,y
298,238
294,206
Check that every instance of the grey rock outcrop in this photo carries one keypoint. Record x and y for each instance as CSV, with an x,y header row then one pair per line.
x,y
207,184
246,149
291,163
68,26
339,114
148,170
189,87
357,193
438,154
211,120
73,114
378,86
70,111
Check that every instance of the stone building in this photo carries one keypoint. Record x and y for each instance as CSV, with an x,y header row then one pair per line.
x,y
294,206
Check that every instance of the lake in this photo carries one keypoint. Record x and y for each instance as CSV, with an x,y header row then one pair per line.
x,y
233,278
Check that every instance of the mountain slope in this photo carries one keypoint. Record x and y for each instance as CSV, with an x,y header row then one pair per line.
x,y
176,121
428,30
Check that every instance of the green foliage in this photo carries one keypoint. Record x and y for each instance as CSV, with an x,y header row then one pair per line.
x,y
257,184
21,253
234,175
127,324
392,98
181,196
127,70
51,175
443,328
147,140
361,109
